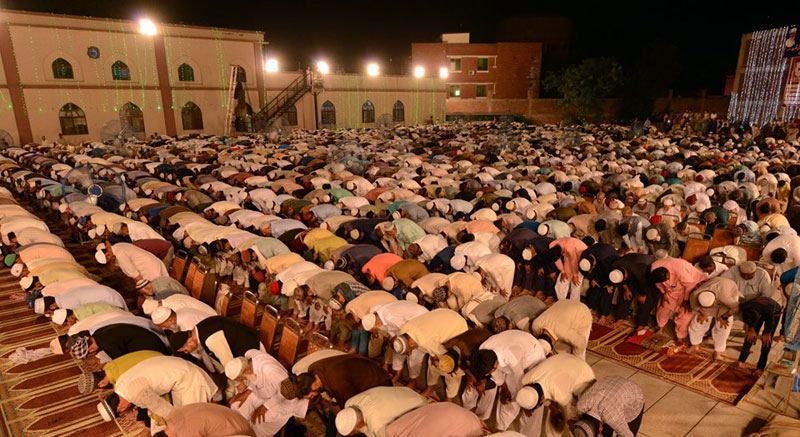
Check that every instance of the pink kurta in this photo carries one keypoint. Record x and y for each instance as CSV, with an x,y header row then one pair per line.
x,y
675,291
571,250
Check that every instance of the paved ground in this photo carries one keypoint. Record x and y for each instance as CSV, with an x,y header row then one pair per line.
x,y
671,410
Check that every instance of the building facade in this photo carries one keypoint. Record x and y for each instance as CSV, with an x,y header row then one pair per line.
x,y
81,76
345,101
483,80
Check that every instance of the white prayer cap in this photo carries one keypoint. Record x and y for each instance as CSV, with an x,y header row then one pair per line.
x,y
235,367
160,315
55,346
616,276
388,283
652,234
149,305
38,306
92,233
346,421
396,215
100,230
354,234
748,267
706,298
668,202
100,256
368,321
585,265
16,270
59,316
411,297
62,208
400,344
543,229
458,262
527,254
328,265
545,346
527,397
105,411
117,227
26,282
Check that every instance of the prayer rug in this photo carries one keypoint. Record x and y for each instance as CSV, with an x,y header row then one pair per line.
x,y
41,397
658,355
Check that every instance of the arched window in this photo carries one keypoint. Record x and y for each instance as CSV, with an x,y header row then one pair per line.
x,y
192,116
398,112
241,74
185,73
328,113
367,112
73,120
131,114
120,71
291,115
62,69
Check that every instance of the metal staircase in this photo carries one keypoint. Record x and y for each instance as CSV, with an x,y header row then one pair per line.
x,y
279,104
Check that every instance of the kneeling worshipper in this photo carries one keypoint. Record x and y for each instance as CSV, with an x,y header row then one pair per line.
x,y
558,380
182,319
76,297
115,341
436,419
176,302
220,337
517,313
113,370
714,301
505,357
259,377
144,384
339,377
206,420
371,411
135,262
429,332
610,405
566,321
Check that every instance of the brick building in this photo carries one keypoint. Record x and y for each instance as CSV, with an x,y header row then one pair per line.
x,y
483,80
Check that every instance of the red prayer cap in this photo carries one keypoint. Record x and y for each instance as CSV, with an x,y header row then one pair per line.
x,y
655,219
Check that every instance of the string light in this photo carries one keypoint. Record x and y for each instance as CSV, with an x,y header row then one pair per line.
x,y
759,97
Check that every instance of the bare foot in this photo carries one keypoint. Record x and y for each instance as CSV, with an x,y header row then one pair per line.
x,y
620,323
757,373
779,338
695,349
412,384
427,392
740,365
719,356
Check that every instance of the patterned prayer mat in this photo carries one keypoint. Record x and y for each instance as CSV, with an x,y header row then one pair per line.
x,y
41,397
657,355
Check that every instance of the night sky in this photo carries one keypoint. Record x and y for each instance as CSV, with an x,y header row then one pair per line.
x,y
704,39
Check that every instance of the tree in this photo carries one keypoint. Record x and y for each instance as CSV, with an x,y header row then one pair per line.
x,y
585,86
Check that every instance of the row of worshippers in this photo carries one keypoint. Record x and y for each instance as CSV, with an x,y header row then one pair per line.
x,y
487,240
